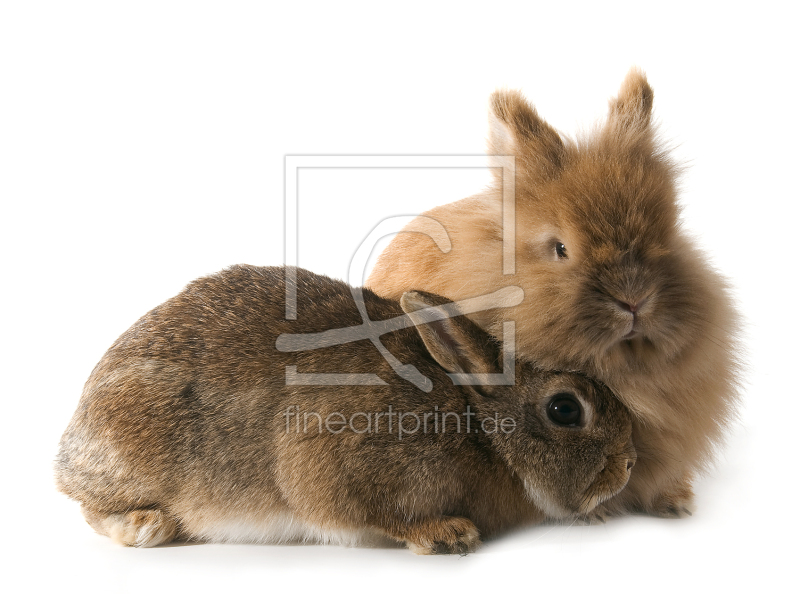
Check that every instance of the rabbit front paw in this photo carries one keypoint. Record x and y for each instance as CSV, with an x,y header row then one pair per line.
x,y
442,536
677,503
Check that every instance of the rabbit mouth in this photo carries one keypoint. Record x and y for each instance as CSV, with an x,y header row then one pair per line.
x,y
553,508
635,346
632,327
593,497
610,481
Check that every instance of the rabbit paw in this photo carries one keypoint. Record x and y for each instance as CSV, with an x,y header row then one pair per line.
x,y
678,503
137,528
447,535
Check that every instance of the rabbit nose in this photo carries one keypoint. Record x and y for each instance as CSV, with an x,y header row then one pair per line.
x,y
631,307
630,465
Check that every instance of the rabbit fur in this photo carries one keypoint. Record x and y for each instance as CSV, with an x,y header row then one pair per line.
x,y
614,287
188,427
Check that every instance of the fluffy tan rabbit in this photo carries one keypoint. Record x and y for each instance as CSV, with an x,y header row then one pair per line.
x,y
613,285
203,421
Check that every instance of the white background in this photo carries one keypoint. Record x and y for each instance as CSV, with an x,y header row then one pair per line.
x,y
142,145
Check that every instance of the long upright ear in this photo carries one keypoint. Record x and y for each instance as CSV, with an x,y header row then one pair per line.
x,y
453,340
632,107
516,129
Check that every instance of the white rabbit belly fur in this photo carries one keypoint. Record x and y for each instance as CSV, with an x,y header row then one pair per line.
x,y
281,527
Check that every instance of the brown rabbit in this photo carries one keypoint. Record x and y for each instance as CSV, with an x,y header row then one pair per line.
x,y
613,286
196,425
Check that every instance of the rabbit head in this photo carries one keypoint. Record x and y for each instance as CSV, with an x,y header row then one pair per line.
x,y
565,436
612,285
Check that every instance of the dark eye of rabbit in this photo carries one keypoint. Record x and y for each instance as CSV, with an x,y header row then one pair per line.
x,y
561,250
564,409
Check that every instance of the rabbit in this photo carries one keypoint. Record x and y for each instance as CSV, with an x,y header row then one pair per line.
x,y
614,287
194,426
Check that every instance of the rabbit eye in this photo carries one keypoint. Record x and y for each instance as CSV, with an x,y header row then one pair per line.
x,y
564,409
561,250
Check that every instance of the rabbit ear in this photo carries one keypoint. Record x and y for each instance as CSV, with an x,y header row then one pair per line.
x,y
516,129
631,108
455,342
